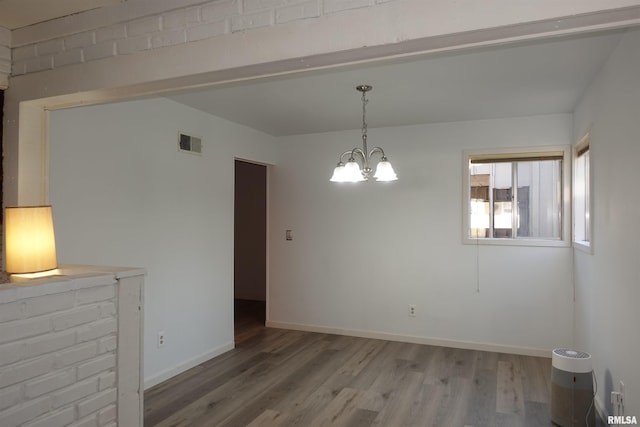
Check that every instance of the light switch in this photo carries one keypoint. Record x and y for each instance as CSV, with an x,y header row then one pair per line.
x,y
289,235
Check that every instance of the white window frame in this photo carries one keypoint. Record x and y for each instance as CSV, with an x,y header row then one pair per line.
x,y
584,245
523,152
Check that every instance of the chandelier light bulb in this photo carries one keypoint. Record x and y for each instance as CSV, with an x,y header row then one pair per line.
x,y
352,172
338,173
385,172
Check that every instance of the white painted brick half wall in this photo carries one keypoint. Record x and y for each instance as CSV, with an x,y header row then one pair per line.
x,y
174,27
58,345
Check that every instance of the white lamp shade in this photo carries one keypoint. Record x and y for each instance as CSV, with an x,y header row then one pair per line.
x,y
385,172
29,239
352,172
338,173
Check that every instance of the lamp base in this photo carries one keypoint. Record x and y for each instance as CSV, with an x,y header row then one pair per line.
x,y
22,277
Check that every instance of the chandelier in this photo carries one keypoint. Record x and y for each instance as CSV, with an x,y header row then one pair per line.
x,y
351,171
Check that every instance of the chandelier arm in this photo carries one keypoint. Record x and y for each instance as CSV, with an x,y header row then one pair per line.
x,y
344,154
362,154
377,150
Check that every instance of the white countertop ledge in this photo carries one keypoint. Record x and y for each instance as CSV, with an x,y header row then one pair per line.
x,y
65,278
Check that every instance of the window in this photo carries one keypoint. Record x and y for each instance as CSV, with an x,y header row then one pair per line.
x,y
516,196
581,194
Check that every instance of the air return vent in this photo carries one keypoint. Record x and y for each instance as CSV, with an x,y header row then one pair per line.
x,y
189,143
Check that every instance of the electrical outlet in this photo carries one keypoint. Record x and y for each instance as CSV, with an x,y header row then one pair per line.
x,y
617,401
412,310
161,339
615,398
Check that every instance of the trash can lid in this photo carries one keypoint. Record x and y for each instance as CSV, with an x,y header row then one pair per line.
x,y
571,360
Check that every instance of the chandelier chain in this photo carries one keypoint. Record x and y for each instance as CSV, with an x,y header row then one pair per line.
x,y
364,113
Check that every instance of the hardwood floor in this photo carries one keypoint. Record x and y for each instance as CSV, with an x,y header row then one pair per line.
x,y
278,377
248,320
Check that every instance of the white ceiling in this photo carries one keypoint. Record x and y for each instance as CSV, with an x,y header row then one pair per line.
x,y
516,80
21,13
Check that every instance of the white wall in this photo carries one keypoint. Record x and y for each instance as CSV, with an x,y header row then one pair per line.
x,y
118,179
607,281
362,253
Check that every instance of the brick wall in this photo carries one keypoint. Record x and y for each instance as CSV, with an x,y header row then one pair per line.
x,y
58,348
180,26
5,58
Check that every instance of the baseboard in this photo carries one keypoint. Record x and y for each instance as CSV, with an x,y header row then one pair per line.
x,y
186,365
469,345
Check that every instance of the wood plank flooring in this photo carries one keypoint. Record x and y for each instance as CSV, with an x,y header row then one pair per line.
x,y
278,378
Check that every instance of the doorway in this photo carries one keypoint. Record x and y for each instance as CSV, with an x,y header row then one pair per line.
x,y
250,249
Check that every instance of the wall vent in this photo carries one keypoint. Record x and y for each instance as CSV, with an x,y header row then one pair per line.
x,y
189,143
